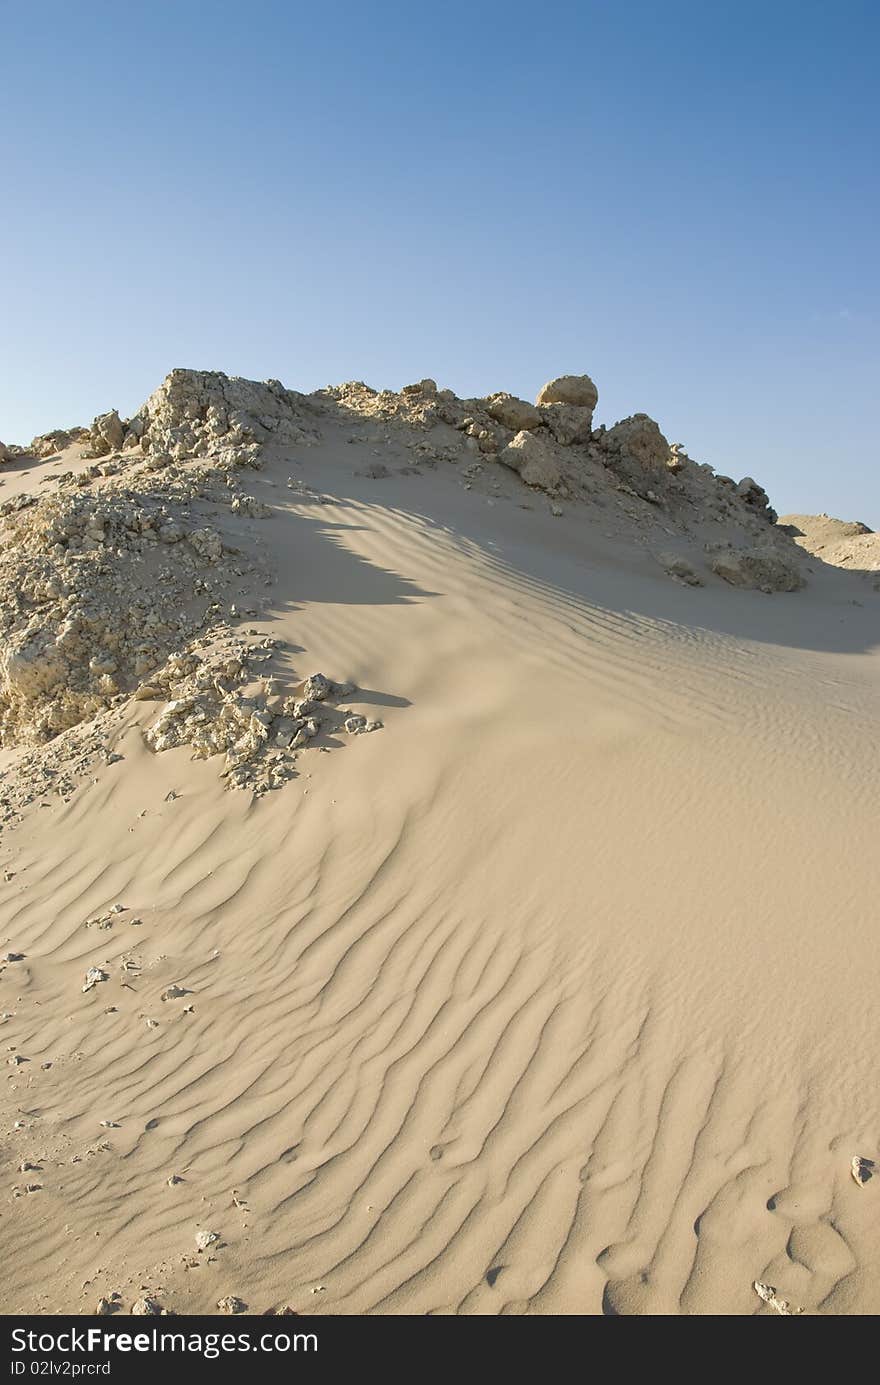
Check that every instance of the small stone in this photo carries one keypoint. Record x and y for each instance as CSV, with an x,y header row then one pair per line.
x,y
204,1239
146,1307
862,1170
770,1296
231,1304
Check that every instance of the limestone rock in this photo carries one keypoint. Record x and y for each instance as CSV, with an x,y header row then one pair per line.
x,y
204,411
569,423
207,544
47,444
756,498
510,412
578,390
232,1304
316,688
533,460
758,569
147,1307
637,440
107,434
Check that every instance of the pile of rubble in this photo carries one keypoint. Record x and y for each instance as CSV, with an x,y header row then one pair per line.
x,y
219,703
197,413
98,588
551,445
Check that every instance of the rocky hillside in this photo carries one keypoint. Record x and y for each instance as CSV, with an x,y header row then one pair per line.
x,y
131,553
842,543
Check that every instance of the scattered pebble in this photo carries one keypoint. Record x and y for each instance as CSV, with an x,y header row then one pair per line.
x,y
770,1296
231,1304
862,1170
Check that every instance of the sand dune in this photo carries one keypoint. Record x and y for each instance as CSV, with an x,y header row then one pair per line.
x,y
556,995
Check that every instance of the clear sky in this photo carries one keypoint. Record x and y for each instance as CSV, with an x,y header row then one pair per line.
x,y
680,198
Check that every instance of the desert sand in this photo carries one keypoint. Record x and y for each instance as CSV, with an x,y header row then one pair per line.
x,y
529,969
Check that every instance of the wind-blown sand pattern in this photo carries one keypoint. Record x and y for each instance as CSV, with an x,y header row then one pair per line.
x,y
557,995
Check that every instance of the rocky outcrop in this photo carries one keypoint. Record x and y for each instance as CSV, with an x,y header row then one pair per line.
x,y
201,412
841,543
106,435
47,444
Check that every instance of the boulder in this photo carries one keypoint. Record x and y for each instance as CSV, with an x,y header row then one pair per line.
x,y
578,390
758,569
533,460
510,412
207,544
107,434
756,498
637,439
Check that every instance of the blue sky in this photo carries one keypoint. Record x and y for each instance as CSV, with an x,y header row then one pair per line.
x,y
679,198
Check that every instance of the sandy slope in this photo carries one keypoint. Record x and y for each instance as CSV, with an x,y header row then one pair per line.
x,y
558,995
